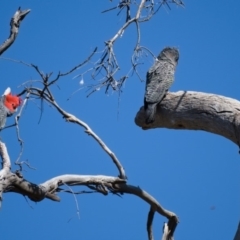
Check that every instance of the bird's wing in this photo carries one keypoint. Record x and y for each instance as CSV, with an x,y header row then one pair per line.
x,y
158,78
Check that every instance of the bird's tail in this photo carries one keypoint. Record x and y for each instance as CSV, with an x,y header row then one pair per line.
x,y
150,113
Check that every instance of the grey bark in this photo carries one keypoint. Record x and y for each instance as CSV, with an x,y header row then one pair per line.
x,y
15,24
196,111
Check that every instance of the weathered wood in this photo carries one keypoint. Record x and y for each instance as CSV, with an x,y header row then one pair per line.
x,y
15,24
196,111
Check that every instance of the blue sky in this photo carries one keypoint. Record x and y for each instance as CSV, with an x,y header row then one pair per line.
x,y
192,173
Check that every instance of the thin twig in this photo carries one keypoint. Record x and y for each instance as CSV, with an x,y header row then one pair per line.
x,y
75,199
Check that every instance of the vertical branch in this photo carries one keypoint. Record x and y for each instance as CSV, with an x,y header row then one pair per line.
x,y
169,228
6,163
5,157
17,127
149,223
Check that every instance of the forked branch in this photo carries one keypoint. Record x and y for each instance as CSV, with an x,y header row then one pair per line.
x,y
101,184
45,94
71,118
14,182
107,66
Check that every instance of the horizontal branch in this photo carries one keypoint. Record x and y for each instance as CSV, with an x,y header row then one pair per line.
x,y
50,188
196,111
114,184
74,180
14,182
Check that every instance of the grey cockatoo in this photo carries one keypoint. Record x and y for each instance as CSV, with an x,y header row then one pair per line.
x,y
159,79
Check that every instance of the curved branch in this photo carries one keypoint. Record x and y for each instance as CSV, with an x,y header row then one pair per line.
x,y
14,182
89,131
15,24
113,184
71,118
197,111
155,206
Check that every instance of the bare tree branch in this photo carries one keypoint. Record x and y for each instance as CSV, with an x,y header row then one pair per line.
x,y
71,118
46,94
197,111
101,184
108,63
169,228
14,182
17,117
5,157
149,223
146,197
5,170
16,61
74,68
15,24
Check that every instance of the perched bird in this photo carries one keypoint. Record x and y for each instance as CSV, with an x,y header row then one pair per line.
x,y
159,79
8,106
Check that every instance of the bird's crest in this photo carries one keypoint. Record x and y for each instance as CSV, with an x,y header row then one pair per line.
x,y
7,91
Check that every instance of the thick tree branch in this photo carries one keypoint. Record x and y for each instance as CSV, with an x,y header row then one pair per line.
x,y
14,182
15,24
49,188
197,111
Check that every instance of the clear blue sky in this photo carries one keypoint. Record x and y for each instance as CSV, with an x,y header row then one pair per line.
x,y
193,173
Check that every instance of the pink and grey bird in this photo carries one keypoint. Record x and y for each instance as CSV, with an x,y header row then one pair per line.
x,y
159,79
8,106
